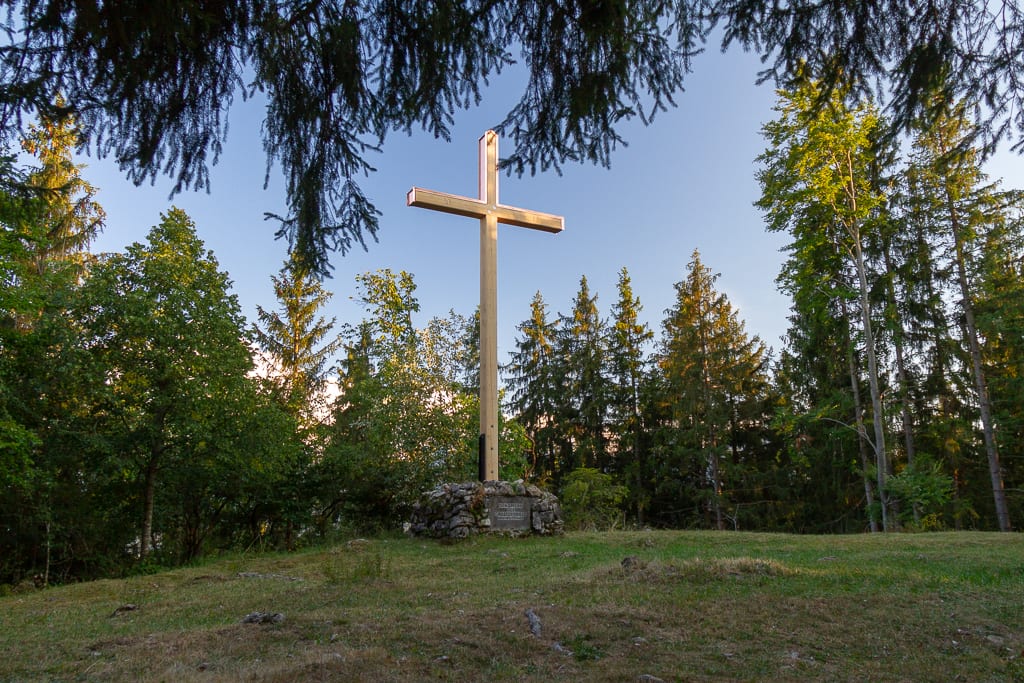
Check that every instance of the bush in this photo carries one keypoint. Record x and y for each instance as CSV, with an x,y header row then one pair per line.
x,y
591,499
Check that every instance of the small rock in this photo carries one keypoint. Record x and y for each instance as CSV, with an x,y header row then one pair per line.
x,y
649,678
534,620
630,562
263,618
124,608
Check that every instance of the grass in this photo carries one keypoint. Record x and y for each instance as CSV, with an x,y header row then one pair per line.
x,y
678,606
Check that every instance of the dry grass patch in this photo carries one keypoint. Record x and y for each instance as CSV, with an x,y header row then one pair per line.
x,y
697,570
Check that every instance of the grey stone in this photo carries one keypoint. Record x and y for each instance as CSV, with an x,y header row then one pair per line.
x,y
457,510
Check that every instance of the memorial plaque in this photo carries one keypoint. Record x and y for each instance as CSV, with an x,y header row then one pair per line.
x,y
509,513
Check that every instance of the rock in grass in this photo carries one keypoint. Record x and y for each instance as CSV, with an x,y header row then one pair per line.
x,y
263,618
534,622
124,608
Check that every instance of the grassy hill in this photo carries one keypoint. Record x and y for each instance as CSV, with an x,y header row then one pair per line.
x,y
691,606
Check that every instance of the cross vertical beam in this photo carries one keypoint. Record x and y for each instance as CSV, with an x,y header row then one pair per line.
x,y
487,209
488,171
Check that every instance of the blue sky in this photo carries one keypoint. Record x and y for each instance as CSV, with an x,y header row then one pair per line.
x,y
686,182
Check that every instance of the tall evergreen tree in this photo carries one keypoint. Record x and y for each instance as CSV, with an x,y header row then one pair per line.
x,y
948,173
70,217
48,215
534,388
582,345
711,368
627,370
293,341
943,416
154,87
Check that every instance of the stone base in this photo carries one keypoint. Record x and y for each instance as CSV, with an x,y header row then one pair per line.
x,y
462,510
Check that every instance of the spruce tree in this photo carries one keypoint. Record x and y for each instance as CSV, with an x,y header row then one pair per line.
x,y
948,174
153,86
534,390
627,372
711,368
293,341
582,345
69,217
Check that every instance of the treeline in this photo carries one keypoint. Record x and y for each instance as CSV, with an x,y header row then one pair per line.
x,y
896,400
143,420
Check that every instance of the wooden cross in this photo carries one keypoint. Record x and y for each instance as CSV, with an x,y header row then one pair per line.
x,y
490,213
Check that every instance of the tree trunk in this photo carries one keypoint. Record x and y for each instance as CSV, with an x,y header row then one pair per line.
x,y
858,410
980,386
149,493
877,420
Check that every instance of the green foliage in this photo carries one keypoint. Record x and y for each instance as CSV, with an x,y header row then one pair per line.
x,y
714,378
925,490
154,88
293,341
532,377
819,183
404,421
591,499
584,393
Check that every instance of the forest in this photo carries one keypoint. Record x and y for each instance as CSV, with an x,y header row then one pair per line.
x,y
144,422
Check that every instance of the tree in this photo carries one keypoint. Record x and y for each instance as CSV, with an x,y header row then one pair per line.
x,y
999,308
582,344
627,365
47,217
534,389
70,216
947,172
404,421
167,338
293,341
154,87
817,175
710,368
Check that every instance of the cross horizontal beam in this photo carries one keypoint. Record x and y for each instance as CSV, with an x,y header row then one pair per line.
x,y
476,208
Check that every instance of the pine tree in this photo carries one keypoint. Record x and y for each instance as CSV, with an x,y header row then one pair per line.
x,y
70,218
534,389
627,370
582,346
154,87
292,340
711,368
948,174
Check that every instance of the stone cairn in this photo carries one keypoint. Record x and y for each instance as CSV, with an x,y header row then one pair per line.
x,y
457,511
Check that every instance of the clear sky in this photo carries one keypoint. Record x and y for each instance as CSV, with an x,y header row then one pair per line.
x,y
686,182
